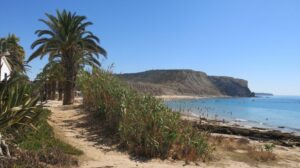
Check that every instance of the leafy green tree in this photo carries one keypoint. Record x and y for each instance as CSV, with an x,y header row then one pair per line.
x,y
67,39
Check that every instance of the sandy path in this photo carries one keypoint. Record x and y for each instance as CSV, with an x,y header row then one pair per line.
x,y
66,121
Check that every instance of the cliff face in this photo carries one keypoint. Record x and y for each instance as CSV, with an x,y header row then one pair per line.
x,y
185,82
231,86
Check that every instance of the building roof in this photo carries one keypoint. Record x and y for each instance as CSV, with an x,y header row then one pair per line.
x,y
6,63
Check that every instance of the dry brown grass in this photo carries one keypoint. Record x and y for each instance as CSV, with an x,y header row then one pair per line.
x,y
241,149
54,157
243,141
261,155
228,143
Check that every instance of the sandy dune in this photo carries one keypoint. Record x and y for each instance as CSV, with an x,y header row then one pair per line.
x,y
68,123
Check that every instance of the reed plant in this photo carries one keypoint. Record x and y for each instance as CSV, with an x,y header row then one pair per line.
x,y
143,124
147,127
104,95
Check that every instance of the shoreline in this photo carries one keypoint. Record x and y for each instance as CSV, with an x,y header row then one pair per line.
x,y
224,127
240,123
187,97
244,123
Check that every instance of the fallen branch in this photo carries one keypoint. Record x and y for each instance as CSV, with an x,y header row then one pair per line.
x,y
4,149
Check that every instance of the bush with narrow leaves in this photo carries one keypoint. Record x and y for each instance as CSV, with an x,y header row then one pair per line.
x,y
144,125
17,106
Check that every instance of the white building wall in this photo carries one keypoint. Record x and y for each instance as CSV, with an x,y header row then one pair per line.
x,y
4,69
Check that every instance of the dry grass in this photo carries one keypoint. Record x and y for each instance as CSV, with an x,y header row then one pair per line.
x,y
261,155
55,157
243,141
241,149
229,144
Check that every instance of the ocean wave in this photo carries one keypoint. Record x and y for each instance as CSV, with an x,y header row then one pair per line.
x,y
240,120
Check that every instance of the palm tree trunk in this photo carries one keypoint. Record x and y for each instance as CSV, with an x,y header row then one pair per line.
x,y
68,92
42,93
60,90
69,85
0,64
48,91
52,90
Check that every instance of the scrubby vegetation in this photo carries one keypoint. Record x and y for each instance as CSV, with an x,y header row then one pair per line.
x,y
143,124
39,147
17,108
262,153
42,137
24,125
241,149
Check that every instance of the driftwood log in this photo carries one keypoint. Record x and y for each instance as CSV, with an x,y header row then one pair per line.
x,y
277,137
4,150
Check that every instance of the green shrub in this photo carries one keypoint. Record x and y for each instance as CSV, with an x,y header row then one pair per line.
x,y
104,95
269,147
148,128
192,144
17,105
38,146
144,125
42,137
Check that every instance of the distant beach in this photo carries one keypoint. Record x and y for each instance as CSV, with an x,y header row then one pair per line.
x,y
278,113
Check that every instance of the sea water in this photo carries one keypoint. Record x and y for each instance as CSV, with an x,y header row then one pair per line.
x,y
277,112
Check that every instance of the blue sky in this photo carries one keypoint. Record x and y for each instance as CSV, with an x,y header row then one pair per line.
x,y
251,39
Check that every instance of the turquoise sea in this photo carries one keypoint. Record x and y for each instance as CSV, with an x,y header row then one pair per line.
x,y
276,112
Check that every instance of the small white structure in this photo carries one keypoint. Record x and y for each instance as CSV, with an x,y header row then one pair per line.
x,y
5,68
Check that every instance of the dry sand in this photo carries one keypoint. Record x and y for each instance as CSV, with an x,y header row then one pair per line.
x,y
68,123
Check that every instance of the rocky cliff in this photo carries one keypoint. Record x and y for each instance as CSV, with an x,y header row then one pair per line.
x,y
186,82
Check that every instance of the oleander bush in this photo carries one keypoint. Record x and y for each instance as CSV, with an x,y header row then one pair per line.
x,y
143,124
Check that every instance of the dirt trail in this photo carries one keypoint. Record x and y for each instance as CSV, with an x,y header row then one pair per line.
x,y
68,123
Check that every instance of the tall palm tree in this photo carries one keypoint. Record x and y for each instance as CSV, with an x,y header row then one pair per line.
x,y
67,39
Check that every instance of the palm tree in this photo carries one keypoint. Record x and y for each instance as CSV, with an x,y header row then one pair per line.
x,y
67,39
40,82
50,80
55,78
16,52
